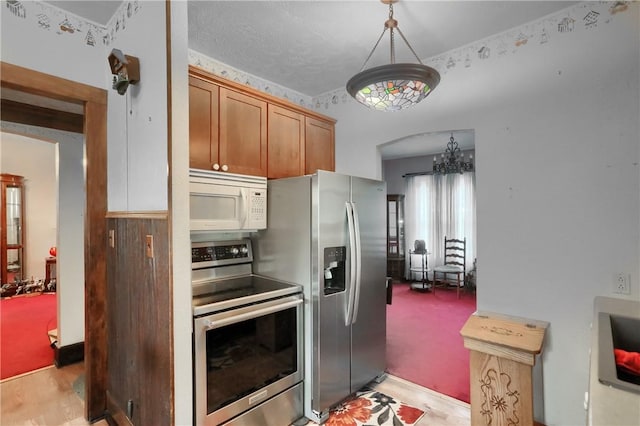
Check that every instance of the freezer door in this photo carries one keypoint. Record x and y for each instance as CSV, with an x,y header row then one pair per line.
x,y
368,334
331,334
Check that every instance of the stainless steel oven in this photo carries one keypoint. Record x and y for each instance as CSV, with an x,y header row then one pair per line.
x,y
247,340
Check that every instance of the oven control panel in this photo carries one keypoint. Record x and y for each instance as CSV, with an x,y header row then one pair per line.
x,y
219,253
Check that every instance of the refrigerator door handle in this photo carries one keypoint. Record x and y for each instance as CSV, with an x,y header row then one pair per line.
x,y
356,227
352,264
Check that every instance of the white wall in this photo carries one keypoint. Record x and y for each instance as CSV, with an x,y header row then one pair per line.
x,y
35,161
52,161
70,237
50,50
558,186
137,130
137,120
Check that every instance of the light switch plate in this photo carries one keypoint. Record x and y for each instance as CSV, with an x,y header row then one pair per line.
x,y
149,246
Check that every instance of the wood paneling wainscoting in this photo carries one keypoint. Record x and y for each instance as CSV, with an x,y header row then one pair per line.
x,y
140,366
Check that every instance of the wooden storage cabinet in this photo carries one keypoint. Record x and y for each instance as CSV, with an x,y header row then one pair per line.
x,y
503,353
243,133
227,130
203,124
319,145
238,129
286,143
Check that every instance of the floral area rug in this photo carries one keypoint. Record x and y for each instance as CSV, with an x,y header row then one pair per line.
x,y
372,408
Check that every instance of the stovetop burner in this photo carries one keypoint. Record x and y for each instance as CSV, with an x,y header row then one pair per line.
x,y
233,292
221,277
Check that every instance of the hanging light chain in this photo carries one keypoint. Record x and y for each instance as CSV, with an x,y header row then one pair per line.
x,y
391,24
408,45
374,48
394,24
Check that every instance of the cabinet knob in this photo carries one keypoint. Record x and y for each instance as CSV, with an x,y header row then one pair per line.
x,y
216,166
225,167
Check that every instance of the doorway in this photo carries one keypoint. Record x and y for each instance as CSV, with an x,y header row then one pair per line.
x,y
29,291
94,128
423,341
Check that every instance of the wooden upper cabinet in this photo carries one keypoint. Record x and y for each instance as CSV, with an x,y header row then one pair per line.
x,y
319,145
238,129
203,124
286,148
243,133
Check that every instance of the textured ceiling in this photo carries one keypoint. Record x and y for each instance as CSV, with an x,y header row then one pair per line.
x,y
314,47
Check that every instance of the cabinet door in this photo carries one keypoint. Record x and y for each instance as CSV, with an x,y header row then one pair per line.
x,y
203,124
319,145
285,143
243,133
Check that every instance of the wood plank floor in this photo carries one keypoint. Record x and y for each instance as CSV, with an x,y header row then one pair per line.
x,y
47,398
440,410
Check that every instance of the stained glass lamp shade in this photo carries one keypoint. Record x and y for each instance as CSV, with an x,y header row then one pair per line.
x,y
394,86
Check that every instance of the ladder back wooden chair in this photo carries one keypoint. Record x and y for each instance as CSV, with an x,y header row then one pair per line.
x,y
454,264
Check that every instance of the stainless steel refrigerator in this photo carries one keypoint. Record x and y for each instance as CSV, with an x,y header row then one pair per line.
x,y
326,231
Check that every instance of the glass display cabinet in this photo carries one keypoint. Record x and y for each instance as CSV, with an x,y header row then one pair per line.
x,y
12,238
395,236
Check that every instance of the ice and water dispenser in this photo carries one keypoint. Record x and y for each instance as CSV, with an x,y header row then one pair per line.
x,y
334,269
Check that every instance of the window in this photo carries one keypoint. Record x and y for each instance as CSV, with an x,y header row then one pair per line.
x,y
441,205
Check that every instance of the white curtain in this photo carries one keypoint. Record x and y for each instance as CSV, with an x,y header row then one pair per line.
x,y
437,206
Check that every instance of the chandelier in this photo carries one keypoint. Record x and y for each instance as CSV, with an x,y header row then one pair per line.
x,y
452,160
394,86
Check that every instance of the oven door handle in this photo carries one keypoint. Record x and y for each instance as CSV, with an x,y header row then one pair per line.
x,y
211,324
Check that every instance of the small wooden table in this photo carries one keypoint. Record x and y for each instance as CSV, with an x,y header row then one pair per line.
x,y
503,351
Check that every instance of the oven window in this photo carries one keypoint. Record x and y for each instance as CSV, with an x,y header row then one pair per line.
x,y
246,356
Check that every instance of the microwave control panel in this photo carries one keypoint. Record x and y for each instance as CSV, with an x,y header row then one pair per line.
x,y
258,210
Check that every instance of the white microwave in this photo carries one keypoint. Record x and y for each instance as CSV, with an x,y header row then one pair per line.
x,y
220,201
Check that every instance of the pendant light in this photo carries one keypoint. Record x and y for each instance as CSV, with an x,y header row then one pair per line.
x,y
394,86
452,160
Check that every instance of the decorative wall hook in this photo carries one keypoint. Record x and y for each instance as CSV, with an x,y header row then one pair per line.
x,y
126,70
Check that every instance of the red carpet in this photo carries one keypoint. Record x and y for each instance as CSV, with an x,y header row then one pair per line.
x,y
424,345
24,344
